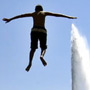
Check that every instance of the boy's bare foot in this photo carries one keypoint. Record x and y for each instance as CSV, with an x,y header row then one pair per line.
x,y
43,61
28,68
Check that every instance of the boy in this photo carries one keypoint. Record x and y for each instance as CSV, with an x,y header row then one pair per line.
x,y
38,31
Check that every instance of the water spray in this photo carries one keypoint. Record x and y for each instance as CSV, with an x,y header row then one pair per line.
x,y
80,61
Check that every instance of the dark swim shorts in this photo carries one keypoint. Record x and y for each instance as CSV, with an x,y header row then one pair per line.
x,y
38,33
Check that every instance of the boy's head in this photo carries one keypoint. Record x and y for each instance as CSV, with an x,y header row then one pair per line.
x,y
38,8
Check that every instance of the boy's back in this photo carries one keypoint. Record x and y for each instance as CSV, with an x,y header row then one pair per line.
x,y
38,18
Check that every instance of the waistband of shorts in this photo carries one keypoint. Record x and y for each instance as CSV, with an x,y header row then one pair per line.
x,y
39,29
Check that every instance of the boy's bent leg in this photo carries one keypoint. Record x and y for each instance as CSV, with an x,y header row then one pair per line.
x,y
41,57
30,59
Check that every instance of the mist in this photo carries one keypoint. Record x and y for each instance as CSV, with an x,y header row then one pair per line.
x,y
80,61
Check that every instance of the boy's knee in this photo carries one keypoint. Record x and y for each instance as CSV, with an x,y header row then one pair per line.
x,y
43,50
33,50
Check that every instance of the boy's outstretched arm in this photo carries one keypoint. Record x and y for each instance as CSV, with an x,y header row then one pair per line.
x,y
16,17
59,15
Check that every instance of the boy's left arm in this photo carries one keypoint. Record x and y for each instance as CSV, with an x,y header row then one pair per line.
x,y
19,16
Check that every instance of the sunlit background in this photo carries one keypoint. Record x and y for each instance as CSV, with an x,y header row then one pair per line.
x,y
15,44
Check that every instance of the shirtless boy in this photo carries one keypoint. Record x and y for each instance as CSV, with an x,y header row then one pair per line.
x,y
38,32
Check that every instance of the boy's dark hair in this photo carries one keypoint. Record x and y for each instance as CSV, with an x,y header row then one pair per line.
x,y
38,8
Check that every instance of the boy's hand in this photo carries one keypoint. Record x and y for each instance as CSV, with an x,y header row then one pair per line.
x,y
7,20
72,17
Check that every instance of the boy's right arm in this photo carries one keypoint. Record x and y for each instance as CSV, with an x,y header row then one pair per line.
x,y
59,15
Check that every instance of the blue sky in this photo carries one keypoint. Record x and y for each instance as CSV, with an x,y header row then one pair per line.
x,y
15,44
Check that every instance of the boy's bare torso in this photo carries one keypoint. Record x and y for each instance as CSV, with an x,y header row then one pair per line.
x,y
38,18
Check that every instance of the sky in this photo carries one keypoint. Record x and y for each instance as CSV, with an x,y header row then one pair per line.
x,y
15,44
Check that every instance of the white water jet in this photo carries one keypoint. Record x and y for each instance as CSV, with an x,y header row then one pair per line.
x,y
80,61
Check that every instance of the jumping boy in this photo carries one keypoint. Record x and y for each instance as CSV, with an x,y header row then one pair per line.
x,y
38,32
